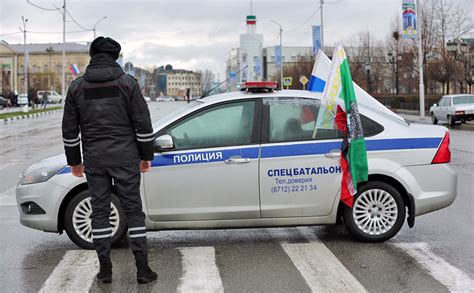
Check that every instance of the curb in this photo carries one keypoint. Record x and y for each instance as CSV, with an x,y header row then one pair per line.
x,y
29,116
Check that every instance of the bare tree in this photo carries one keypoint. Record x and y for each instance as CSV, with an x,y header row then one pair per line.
x,y
368,62
441,69
395,49
429,34
207,80
150,83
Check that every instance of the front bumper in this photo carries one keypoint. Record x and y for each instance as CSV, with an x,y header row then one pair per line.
x,y
48,196
433,186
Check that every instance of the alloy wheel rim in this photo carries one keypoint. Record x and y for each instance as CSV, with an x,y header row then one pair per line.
x,y
82,222
375,212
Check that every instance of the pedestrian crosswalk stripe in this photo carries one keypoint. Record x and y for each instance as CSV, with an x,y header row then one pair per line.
x,y
320,268
74,273
453,278
200,272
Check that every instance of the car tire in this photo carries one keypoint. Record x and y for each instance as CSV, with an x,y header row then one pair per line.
x,y
78,225
451,121
433,118
378,213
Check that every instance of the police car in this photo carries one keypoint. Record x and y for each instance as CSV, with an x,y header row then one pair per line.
x,y
255,158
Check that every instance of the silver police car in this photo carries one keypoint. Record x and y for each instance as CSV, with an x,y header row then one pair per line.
x,y
256,159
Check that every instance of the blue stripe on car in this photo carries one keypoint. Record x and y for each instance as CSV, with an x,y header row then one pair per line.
x,y
288,150
169,159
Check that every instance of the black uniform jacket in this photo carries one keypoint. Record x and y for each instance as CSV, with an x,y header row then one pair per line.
x,y
107,112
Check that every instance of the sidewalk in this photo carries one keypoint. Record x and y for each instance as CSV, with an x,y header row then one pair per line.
x,y
32,114
414,118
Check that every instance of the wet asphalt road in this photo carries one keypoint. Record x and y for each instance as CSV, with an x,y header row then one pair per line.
x,y
248,260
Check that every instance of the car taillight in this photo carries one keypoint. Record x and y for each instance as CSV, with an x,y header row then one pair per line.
x,y
459,113
443,155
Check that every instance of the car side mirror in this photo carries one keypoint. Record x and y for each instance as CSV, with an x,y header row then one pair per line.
x,y
164,142
435,105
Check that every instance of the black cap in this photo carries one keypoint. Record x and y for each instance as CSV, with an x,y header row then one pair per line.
x,y
105,45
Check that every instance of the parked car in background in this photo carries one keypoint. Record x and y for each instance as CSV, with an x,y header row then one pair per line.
x,y
453,108
53,97
147,99
4,103
165,99
23,99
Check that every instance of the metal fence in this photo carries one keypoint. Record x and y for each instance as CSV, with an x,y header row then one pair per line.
x,y
411,103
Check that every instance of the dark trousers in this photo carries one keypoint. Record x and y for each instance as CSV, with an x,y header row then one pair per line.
x,y
126,185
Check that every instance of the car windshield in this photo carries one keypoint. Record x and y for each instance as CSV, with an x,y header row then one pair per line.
x,y
178,112
463,100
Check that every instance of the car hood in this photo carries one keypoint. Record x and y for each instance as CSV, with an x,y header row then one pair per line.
x,y
47,162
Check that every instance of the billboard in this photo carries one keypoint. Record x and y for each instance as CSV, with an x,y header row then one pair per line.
x,y
316,39
409,25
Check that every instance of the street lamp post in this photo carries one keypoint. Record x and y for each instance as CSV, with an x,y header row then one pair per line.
x,y
453,48
25,58
281,51
97,24
391,60
50,51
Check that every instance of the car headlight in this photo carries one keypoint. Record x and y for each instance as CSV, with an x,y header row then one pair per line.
x,y
39,175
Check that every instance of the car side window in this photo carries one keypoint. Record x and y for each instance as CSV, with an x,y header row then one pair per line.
x,y
222,125
294,119
447,103
370,127
441,102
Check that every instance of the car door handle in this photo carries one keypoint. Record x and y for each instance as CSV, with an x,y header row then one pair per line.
x,y
237,160
333,154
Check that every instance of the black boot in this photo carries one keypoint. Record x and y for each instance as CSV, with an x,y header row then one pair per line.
x,y
144,273
105,273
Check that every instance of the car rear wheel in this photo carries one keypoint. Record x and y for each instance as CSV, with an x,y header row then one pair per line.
x,y
77,222
433,118
378,213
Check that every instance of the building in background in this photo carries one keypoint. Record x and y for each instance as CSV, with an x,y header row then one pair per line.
x,y
247,57
175,82
44,66
144,78
289,57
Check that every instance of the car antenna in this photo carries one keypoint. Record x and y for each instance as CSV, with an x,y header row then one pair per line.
x,y
232,76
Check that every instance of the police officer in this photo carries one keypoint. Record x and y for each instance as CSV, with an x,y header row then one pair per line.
x,y
106,108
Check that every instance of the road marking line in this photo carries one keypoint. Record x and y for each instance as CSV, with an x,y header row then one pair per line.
x,y
450,276
74,273
320,268
200,272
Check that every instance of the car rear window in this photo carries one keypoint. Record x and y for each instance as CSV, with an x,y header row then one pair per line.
x,y
463,100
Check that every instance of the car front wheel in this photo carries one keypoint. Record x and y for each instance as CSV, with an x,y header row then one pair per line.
x,y
378,213
77,222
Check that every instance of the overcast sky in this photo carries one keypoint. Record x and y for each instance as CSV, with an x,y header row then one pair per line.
x,y
197,34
